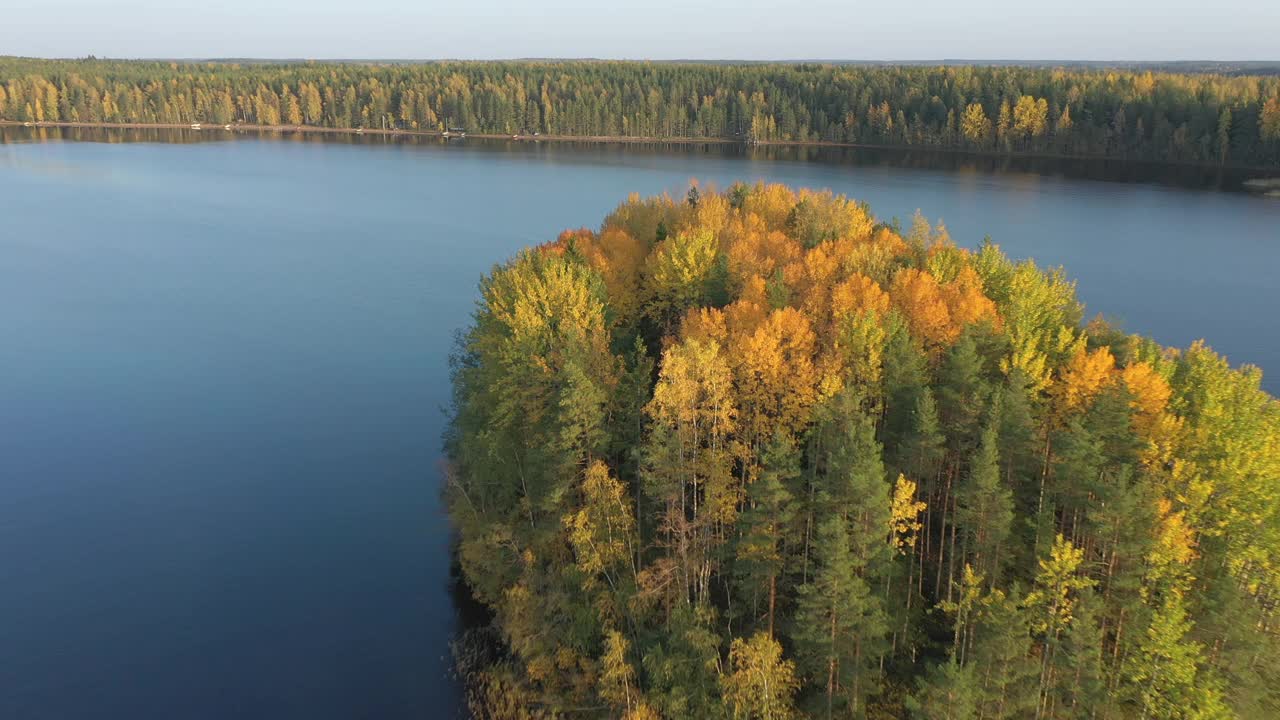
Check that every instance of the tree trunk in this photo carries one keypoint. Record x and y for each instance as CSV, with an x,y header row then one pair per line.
x,y
773,596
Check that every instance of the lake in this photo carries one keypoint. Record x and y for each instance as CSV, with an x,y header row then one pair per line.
x,y
223,368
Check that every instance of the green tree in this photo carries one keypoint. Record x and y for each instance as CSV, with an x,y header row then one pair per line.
x,y
949,692
1165,674
1224,134
683,668
1081,690
1051,607
769,512
985,506
1002,660
835,614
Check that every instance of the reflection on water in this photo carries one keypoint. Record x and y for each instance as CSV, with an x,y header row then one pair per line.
x,y
964,163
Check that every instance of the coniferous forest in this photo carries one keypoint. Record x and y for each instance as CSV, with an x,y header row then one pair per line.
x,y
1127,114
756,454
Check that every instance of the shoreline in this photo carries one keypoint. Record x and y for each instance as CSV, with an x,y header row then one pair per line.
x,y
234,128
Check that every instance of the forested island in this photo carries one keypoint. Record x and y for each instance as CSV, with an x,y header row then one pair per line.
x,y
1080,111
756,454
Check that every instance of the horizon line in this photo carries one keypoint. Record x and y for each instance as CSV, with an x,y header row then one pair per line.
x,y
725,60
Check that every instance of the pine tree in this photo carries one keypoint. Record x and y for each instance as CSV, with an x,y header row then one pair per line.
x,y
949,692
769,512
962,394
1051,606
1081,692
1002,662
682,670
1021,457
1224,134
837,617
905,385
924,444
985,507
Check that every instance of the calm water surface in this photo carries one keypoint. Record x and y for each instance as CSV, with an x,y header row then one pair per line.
x,y
223,364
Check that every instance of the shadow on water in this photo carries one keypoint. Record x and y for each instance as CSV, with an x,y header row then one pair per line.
x,y
477,643
1189,176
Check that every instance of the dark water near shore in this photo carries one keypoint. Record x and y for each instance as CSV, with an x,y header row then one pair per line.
x,y
223,367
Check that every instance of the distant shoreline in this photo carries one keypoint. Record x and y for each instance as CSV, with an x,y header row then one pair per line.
x,y
1269,172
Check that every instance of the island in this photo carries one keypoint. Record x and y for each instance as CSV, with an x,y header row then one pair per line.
x,y
756,453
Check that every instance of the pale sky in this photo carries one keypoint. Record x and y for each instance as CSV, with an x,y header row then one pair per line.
x,y
647,29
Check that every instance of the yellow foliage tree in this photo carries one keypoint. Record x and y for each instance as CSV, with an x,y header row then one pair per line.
x,y
693,411
1031,116
617,676
922,303
1175,542
704,325
1084,376
904,522
678,269
1053,599
1150,393
760,683
618,257
1269,120
975,125
772,203
752,249
776,380
603,528
856,296
966,302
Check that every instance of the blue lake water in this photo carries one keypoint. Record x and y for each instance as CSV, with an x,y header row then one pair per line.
x,y
223,367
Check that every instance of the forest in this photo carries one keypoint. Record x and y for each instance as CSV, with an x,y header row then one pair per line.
x,y
1124,114
758,454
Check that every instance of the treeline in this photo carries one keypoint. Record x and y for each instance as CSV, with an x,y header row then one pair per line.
x,y
757,455
1135,115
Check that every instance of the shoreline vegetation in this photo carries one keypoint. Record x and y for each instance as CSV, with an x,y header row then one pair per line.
x,y
757,454
1124,115
1264,185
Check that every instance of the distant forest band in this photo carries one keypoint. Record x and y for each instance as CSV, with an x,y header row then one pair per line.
x,y
1186,118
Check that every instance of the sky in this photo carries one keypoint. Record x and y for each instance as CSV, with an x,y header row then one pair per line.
x,y
647,29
